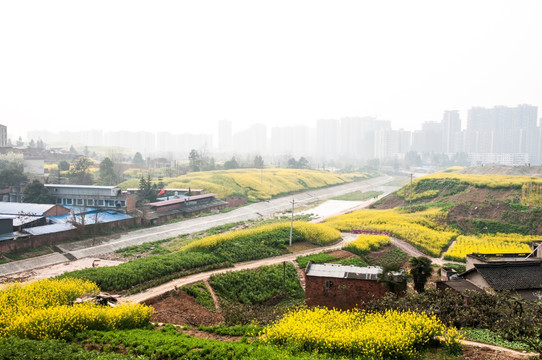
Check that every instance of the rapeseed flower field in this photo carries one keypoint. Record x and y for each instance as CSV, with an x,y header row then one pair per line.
x,y
254,184
367,243
389,335
489,244
318,234
421,229
44,309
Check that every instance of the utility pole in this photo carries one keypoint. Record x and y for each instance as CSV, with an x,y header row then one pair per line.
x,y
410,192
284,277
292,223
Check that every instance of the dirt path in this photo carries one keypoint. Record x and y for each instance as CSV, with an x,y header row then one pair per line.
x,y
216,303
164,288
346,237
508,353
412,251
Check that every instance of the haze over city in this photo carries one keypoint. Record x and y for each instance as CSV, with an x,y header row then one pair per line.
x,y
181,67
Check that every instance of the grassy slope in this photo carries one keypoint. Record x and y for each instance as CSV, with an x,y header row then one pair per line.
x,y
254,183
472,207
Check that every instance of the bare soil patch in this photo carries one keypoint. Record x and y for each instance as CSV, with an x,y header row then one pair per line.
x,y
179,308
342,254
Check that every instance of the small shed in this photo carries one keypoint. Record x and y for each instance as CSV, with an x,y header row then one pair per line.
x,y
342,286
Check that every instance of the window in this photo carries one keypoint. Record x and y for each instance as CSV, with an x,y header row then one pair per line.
x,y
69,201
329,284
90,202
100,203
79,201
59,201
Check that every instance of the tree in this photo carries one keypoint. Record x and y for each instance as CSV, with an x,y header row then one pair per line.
x,y
194,159
37,193
72,150
138,158
292,163
107,175
231,164
79,172
63,165
420,270
12,160
32,144
393,278
12,177
147,191
258,162
302,163
412,158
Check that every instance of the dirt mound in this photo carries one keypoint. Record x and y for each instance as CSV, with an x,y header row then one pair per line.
x,y
342,254
178,307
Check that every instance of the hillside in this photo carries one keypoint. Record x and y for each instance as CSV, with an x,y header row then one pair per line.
x,y
255,184
478,200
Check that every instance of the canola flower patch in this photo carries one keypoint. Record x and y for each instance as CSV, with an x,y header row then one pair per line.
x,y
392,334
367,243
255,183
421,229
43,309
492,181
273,234
489,244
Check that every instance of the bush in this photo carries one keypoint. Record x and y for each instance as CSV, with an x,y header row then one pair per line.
x,y
135,272
257,286
201,294
49,349
320,258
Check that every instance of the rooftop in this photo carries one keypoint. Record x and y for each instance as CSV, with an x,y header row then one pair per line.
x,y
522,275
178,201
13,208
343,271
90,217
81,186
461,285
49,229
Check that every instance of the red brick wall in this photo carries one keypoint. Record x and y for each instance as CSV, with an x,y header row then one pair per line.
x,y
57,210
130,202
60,237
344,294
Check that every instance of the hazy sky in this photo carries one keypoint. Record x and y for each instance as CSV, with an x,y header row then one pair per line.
x,y
181,66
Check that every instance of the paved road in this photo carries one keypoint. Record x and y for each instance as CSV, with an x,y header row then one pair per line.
x,y
88,248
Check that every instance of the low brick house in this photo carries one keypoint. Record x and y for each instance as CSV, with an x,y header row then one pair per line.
x,y
342,286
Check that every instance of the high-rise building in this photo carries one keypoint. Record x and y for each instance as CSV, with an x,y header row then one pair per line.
x,y
327,139
503,130
225,136
3,136
253,140
451,132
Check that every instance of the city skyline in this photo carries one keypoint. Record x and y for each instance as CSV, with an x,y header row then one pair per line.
x,y
513,133
181,67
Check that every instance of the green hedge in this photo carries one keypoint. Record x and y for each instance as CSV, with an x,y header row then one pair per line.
x,y
257,286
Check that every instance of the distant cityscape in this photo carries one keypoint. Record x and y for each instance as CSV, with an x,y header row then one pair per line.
x,y
500,135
